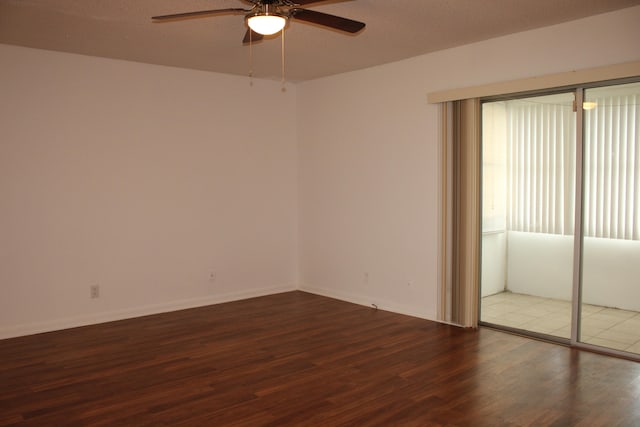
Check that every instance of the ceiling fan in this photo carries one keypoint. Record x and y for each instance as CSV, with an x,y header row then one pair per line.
x,y
267,17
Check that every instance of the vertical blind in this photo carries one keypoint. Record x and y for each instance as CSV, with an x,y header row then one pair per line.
x,y
540,159
611,167
460,220
540,167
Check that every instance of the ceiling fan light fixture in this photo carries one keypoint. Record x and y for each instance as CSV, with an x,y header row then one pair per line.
x,y
266,23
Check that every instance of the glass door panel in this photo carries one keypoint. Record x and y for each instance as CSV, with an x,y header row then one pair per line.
x,y
610,306
528,198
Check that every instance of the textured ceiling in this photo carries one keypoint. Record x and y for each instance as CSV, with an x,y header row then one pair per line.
x,y
396,29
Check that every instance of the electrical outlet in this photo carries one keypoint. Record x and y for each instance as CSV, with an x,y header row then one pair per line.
x,y
94,291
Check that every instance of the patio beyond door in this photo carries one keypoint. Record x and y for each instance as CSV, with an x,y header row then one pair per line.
x,y
561,216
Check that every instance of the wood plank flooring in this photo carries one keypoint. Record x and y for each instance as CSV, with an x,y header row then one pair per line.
x,y
297,359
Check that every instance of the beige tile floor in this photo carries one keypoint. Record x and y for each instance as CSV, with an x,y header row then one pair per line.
x,y
606,327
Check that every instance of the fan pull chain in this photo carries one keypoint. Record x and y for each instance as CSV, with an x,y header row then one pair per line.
x,y
250,58
284,89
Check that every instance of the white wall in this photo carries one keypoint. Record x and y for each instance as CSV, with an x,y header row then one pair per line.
x,y
611,273
494,263
142,179
369,156
542,265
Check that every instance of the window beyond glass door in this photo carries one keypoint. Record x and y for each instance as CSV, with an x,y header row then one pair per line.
x,y
528,208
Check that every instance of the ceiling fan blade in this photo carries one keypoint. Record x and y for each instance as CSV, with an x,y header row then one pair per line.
x,y
304,2
255,37
332,21
200,13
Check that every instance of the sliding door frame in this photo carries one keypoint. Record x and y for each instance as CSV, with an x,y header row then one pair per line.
x,y
578,230
578,236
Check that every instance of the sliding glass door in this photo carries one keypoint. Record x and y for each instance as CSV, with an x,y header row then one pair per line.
x,y
528,210
561,216
610,303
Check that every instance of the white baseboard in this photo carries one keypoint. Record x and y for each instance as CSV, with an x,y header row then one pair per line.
x,y
92,319
368,301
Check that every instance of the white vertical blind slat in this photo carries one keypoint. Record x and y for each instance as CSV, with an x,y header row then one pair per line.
x,y
634,135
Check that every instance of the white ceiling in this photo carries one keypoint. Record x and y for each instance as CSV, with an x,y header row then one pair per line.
x,y
396,29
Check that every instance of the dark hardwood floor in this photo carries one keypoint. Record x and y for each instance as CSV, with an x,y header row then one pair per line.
x,y
300,359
